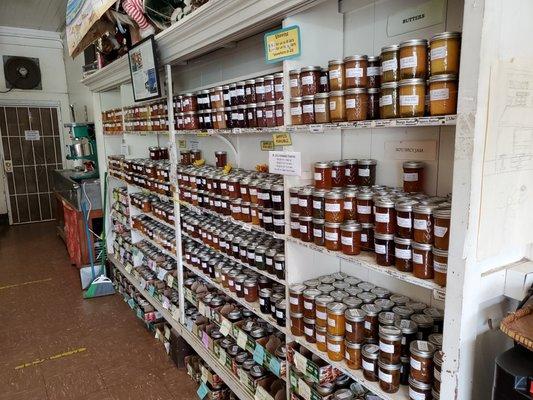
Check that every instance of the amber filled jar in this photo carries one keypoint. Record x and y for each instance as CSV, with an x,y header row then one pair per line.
x,y
295,83
390,343
365,205
319,203
310,80
308,110
356,102
369,355
443,94
355,320
440,266
389,377
305,224
422,260
336,347
309,330
371,319
384,215
423,223
296,298
412,96
336,75
353,355
251,290
388,101
389,63
336,321
445,49
332,236
278,86
413,176
422,361
372,111
337,110
321,304
293,199
420,390
404,218
351,238
441,228
366,172
403,254
297,324
279,107
309,296
318,231
321,108
305,202
384,248
320,337
413,59
355,75
373,71
333,206
350,205
437,361
296,111
322,175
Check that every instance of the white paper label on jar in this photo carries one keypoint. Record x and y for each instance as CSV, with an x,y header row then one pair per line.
x,y
415,364
368,325
308,108
307,80
318,176
323,80
296,110
334,74
410,176
421,224
245,210
250,116
302,202
348,205
354,72
293,83
308,305
333,173
303,228
279,314
278,87
350,103
385,100
385,377
373,71
292,200
279,112
331,236
321,315
348,241
404,222
403,254
248,90
267,220
348,327
380,248
317,205
207,118
215,97
414,395
334,347
261,301
278,266
333,207
261,89
440,231
276,198
438,52
320,108
332,105
295,225
409,100
331,322
268,261
364,209
364,171
225,96
317,233
389,65
436,374
347,172
268,88
382,217
440,267
269,114
241,116
279,222
386,348
408,62
364,237
439,94
368,366
417,258
308,331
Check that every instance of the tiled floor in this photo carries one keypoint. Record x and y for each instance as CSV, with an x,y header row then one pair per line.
x,y
122,360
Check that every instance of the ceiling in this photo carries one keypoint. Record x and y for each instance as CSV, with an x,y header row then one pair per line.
x,y
48,15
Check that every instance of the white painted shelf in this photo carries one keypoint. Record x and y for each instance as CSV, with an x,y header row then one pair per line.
x,y
153,217
233,131
159,247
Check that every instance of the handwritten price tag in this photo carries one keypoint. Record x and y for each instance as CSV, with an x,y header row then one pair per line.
x,y
226,327
242,339
170,280
259,354
300,362
303,389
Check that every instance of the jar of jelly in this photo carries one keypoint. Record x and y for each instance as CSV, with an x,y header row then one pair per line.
x,y
337,110
389,377
351,238
309,296
278,220
318,231
390,341
336,323
332,236
423,223
293,199
441,228
319,203
371,320
353,355
413,176
277,197
350,205
373,110
309,330
296,301
320,337
366,172
384,248
440,266
323,175
296,111
297,323
422,260
264,300
403,254
388,101
279,110
365,205
355,318
295,225
336,75
356,104
333,206
335,347
280,312
444,53
373,71
420,390
413,59
306,228
389,63
278,86
404,218
369,355
355,74
337,173
305,201
321,108
367,237
422,361
384,215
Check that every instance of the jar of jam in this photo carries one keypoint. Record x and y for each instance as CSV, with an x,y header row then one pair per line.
x,y
306,228
404,218
337,173
423,223
337,110
350,205
440,266
413,176
420,390
353,355
280,312
412,94
444,53
384,248
369,355
333,206
279,265
321,108
413,59
320,337
367,237
332,236
388,101
305,201
251,290
356,104
351,238
365,205
309,330
293,199
321,303
389,63
409,331
319,203
355,71
260,114
295,83
323,86
264,300
278,220
279,109
189,103
277,197
323,175
309,296
373,71
336,75
295,225
422,361
336,321
310,80
422,260
308,109
403,254
296,298
390,341
335,347
372,111
371,320
441,229
297,324
249,91
318,231
296,111
443,94
278,86
384,215
269,112
389,377
355,325
366,172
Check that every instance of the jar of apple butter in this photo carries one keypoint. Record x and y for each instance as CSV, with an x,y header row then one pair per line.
x,y
413,59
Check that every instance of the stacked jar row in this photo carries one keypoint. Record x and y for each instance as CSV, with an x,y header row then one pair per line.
x,y
252,249
146,111
244,283
152,255
153,169
152,204
146,125
159,233
369,328
188,157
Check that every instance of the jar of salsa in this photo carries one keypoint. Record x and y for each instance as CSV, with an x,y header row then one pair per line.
x,y
323,175
403,254
389,63
351,238
336,75
440,266
338,173
385,215
384,248
366,172
422,260
334,211
413,59
441,229
423,223
355,71
305,201
365,205
306,228
350,204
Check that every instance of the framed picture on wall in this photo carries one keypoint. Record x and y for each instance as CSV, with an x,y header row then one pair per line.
x,y
144,70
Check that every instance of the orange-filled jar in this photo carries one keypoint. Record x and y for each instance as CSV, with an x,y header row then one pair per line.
x,y
323,178
295,83
336,347
443,94
336,320
423,223
404,218
332,236
336,75
356,100
385,216
350,204
413,176
389,63
413,58
441,228
295,225
355,71
321,304
334,210
412,97
320,336
422,260
296,298
353,355
351,238
365,204
337,110
306,228
309,296
440,266
445,49
305,201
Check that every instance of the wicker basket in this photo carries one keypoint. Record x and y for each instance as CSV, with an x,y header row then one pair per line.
x,y
519,326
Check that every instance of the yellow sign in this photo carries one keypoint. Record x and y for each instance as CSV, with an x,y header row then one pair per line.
x,y
282,139
202,134
282,44
182,144
267,145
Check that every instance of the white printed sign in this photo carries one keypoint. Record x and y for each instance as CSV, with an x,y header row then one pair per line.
x,y
285,162
32,135
424,150
416,18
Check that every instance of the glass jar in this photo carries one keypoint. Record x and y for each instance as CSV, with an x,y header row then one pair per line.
x,y
260,90
321,303
353,355
308,111
323,86
372,111
337,111
355,320
332,236
390,342
269,113
437,362
251,290
441,228
365,205
249,91
295,83
413,176
422,260
355,71
413,59
336,75
423,223
403,254
384,215
220,117
350,205
323,175
306,228
336,324
318,231
280,312
333,206
320,337
189,103
369,355
443,94
445,49
420,390
310,80
278,86
404,218
305,202
309,330
293,199
279,265
309,296
356,102
366,172
367,237
351,238
371,319
384,248
264,300
373,71
295,225
319,203
297,324
412,97
388,101
389,63
422,361
440,266
251,115
296,111
190,120
321,108
350,172
336,347
389,377
279,109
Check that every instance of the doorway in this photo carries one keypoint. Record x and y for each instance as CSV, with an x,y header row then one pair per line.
x,y
30,150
